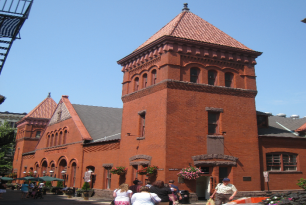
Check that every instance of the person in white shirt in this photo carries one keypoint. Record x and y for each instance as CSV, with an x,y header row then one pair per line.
x,y
224,192
122,195
144,197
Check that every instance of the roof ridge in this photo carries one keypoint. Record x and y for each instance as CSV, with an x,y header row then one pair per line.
x,y
184,12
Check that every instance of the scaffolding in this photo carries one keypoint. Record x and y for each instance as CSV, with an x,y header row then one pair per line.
x,y
13,14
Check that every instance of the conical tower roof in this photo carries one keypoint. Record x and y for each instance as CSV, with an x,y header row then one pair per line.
x,y
44,110
190,26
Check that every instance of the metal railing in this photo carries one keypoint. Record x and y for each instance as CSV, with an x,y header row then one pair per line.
x,y
15,7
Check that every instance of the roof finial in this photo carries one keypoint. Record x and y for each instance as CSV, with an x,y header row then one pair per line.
x,y
49,95
185,7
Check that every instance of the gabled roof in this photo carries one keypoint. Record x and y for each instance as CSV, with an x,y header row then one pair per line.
x,y
44,110
190,26
302,128
282,127
102,123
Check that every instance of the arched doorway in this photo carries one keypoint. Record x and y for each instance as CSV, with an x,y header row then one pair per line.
x,y
62,170
44,167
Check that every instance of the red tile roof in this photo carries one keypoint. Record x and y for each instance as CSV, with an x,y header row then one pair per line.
x,y
190,26
302,128
45,109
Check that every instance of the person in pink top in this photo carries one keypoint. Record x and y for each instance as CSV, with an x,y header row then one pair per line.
x,y
122,195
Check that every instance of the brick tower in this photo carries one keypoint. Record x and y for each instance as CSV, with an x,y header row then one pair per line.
x,y
29,130
189,99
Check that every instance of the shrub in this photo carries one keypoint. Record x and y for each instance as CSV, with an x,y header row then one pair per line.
x,y
59,184
86,186
302,183
48,184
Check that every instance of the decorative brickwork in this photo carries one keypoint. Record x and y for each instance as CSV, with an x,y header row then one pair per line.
x,y
61,113
30,156
102,147
180,85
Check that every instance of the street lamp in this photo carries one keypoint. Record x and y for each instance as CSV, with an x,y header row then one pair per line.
x,y
44,173
51,173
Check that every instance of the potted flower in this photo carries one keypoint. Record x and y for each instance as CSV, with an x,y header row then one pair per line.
x,y
190,173
119,170
85,189
149,171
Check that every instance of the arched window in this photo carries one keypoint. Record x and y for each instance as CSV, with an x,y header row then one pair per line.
x,y
55,139
229,80
60,138
52,140
65,137
194,75
144,80
37,134
136,84
154,77
48,141
212,76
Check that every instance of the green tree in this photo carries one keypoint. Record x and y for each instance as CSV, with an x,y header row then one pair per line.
x,y
7,143
7,134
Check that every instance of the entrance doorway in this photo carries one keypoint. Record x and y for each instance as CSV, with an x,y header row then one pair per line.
x,y
203,187
223,173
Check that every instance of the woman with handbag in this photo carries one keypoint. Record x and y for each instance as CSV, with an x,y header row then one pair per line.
x,y
144,197
122,195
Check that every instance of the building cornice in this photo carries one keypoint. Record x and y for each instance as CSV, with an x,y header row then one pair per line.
x,y
188,86
170,40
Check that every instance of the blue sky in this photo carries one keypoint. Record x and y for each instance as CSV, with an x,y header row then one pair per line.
x,y
72,47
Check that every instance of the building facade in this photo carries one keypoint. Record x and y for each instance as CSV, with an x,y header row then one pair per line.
x,y
188,100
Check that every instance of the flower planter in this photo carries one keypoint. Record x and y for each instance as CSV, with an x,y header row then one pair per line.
x,y
86,195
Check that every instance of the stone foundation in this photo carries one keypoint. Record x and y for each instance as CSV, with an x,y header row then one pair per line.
x,y
103,193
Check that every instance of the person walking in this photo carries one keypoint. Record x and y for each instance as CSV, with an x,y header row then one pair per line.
x,y
135,188
2,188
161,191
24,190
144,197
177,194
122,195
224,192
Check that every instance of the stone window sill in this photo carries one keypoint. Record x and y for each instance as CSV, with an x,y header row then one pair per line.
x,y
285,172
140,138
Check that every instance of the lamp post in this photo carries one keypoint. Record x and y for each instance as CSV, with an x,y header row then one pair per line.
x,y
44,173
64,176
51,173
35,172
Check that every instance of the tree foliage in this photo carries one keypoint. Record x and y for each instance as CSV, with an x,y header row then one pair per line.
x,y
7,134
7,142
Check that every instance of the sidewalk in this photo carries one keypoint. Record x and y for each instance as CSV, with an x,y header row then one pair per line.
x,y
14,198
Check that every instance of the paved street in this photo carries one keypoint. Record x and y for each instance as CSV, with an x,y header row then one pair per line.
x,y
14,198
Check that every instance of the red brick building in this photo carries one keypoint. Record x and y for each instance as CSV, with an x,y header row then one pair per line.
x,y
188,99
